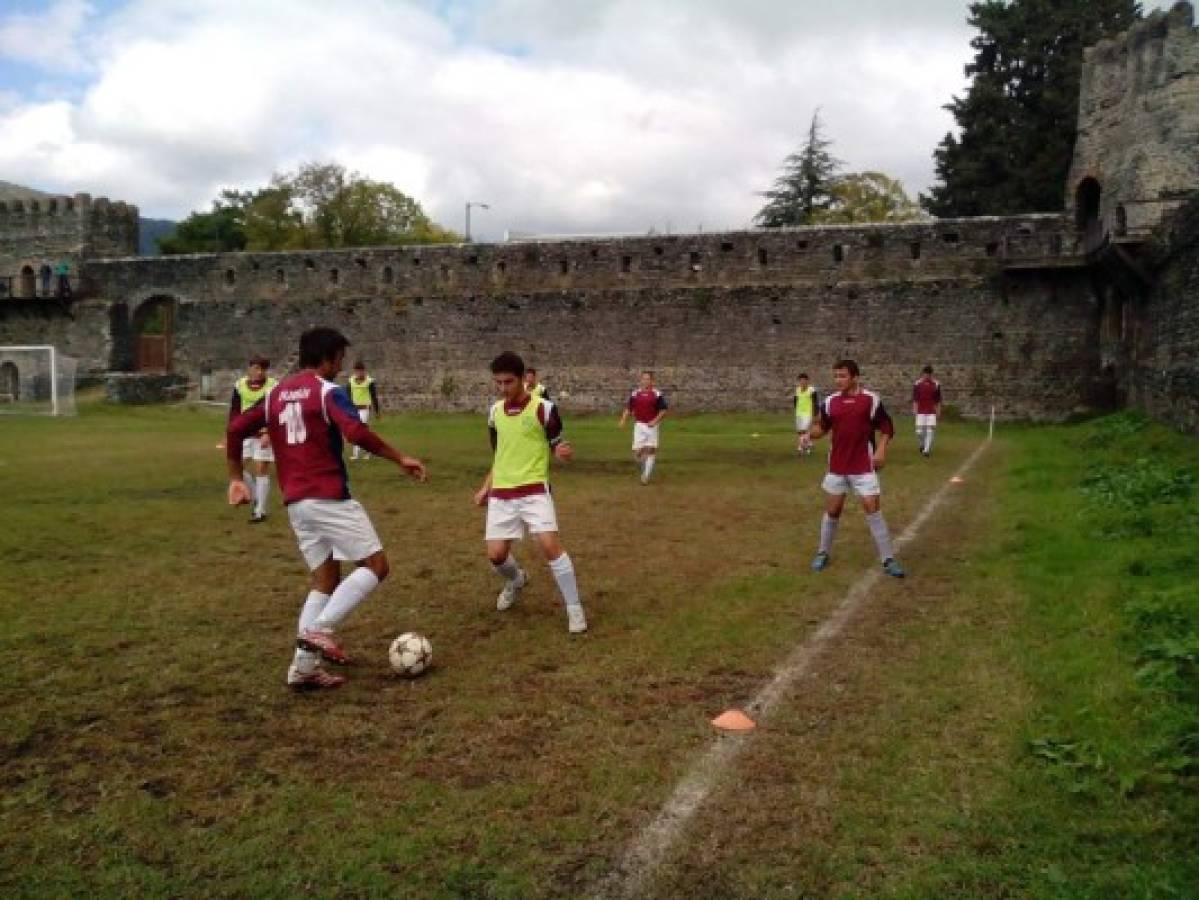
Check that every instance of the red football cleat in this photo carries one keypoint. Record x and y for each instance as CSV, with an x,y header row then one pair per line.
x,y
315,680
322,642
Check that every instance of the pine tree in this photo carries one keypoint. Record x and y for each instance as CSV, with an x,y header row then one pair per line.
x,y
806,185
1019,117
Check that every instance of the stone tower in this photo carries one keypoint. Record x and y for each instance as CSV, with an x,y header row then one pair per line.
x,y
40,230
1137,153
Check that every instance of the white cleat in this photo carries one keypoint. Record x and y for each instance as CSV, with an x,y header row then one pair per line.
x,y
576,621
509,594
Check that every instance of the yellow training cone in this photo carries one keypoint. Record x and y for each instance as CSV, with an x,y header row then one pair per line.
x,y
734,720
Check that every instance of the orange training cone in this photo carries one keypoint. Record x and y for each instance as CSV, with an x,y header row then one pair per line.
x,y
734,720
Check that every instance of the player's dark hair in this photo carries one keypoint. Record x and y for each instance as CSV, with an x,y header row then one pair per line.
x,y
530,371
927,370
803,374
508,363
260,361
359,364
849,366
318,345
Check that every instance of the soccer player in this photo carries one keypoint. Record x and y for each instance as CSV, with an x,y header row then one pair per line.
x,y
852,416
807,400
648,406
256,449
525,432
308,416
365,395
533,386
926,406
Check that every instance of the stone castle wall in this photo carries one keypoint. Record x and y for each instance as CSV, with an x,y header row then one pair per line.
x,y
998,305
45,231
1162,330
1138,122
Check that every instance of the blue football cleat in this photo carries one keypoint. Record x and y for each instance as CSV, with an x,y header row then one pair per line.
x,y
893,568
820,562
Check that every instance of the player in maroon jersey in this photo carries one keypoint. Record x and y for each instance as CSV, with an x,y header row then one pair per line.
x,y
926,406
855,418
308,417
648,407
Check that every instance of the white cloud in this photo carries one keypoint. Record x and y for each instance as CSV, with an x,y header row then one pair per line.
x,y
49,40
599,116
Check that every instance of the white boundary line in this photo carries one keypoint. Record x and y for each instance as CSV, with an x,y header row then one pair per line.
x,y
648,850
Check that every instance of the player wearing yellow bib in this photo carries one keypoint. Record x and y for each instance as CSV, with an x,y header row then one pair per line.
x,y
533,386
807,400
365,397
250,390
526,432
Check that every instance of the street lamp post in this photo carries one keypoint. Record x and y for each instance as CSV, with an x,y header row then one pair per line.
x,y
469,204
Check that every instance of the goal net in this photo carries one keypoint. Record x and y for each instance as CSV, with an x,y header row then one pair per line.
x,y
37,381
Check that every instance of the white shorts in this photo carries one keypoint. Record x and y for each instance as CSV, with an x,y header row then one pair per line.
x,y
926,420
645,436
803,423
507,519
337,528
364,413
251,448
865,485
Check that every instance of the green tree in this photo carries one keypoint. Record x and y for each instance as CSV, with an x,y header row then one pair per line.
x,y
867,197
319,206
219,230
805,186
1018,119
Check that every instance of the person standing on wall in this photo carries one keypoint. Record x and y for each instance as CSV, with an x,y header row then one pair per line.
x,y
365,395
63,271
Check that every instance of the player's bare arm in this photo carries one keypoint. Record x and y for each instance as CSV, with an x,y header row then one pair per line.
x,y
482,493
880,452
624,417
658,418
816,432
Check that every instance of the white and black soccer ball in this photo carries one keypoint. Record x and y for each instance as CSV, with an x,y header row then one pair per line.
x,y
410,654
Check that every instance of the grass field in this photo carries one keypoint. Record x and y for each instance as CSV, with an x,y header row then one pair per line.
x,y
1018,718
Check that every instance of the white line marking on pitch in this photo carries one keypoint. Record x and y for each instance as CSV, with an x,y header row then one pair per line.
x,y
657,839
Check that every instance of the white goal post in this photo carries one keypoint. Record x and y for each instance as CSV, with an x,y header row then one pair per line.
x,y
36,380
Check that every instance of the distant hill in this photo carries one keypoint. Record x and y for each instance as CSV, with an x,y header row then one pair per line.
x,y
150,231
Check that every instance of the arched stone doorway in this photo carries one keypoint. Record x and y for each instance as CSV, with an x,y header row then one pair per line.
x,y
1087,199
10,383
153,329
27,287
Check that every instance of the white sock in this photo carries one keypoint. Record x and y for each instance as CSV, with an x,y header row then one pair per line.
x,y
649,465
354,588
928,439
881,535
828,531
262,490
564,574
509,569
306,660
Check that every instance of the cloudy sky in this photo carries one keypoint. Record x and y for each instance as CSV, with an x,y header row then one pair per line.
x,y
563,115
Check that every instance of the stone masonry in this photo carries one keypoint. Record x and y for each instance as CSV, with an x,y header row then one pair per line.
x,y
1041,316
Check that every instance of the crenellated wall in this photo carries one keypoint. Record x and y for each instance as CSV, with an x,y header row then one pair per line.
x,y
44,231
728,319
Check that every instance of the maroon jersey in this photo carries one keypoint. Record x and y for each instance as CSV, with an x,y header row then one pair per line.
x,y
852,420
926,394
307,418
646,404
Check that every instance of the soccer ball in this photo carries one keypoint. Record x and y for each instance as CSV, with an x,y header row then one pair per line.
x,y
410,654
